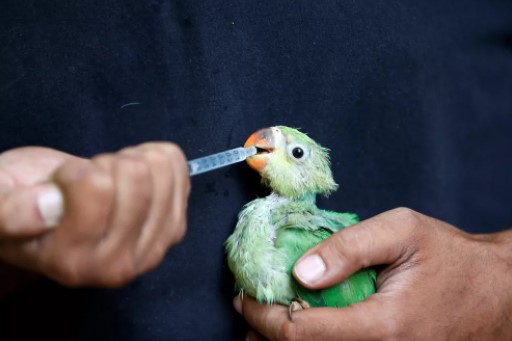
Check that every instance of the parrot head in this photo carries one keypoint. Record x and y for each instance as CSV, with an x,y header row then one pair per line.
x,y
290,162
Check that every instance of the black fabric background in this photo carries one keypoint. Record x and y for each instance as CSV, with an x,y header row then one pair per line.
x,y
413,98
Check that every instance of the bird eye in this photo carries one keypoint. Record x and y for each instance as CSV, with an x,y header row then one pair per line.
x,y
297,152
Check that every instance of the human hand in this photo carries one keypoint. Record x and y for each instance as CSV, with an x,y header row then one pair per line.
x,y
440,284
98,222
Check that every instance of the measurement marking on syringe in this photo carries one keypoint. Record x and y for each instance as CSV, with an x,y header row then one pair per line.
x,y
214,161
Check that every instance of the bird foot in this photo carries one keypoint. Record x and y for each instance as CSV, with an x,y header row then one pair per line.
x,y
296,305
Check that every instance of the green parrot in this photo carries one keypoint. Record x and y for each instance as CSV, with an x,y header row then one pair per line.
x,y
273,232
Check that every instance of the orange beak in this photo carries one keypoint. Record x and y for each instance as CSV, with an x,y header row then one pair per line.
x,y
264,140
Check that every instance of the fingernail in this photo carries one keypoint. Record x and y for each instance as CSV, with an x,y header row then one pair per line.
x,y
50,205
310,269
237,303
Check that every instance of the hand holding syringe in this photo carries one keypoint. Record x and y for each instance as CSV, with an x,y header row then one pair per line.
x,y
218,160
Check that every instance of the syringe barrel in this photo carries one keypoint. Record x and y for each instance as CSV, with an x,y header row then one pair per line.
x,y
218,160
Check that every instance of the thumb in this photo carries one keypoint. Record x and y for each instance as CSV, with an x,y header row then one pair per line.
x,y
384,239
29,211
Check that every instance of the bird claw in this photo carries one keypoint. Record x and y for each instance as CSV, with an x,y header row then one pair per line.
x,y
295,305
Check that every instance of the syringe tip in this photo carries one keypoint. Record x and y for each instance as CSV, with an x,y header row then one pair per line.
x,y
250,151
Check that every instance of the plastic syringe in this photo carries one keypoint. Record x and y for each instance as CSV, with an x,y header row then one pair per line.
x,y
218,160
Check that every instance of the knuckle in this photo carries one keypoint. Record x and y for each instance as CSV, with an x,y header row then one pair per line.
x,y
339,243
157,157
179,230
157,255
134,167
408,217
408,225
68,272
353,246
103,160
172,149
94,178
179,157
174,153
169,155
167,148
405,221
122,273
177,237
101,184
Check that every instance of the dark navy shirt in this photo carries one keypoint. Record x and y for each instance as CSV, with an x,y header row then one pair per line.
x,y
414,99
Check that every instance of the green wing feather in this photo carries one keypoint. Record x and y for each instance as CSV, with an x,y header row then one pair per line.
x,y
294,241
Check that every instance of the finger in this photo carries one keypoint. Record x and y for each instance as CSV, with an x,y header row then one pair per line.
x,y
272,321
132,198
67,254
361,321
30,211
384,239
114,251
165,225
88,195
